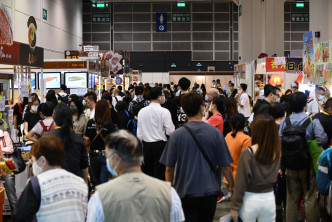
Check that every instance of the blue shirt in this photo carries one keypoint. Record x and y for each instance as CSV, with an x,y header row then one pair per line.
x,y
297,119
194,177
96,213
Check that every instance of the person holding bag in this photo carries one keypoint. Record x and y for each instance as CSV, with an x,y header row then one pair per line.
x,y
253,199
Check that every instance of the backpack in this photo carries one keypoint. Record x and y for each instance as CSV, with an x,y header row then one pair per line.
x,y
63,99
323,176
138,106
132,124
45,129
20,108
295,149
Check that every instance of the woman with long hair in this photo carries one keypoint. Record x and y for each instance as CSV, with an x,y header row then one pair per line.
x,y
97,130
76,155
236,141
231,109
253,197
79,119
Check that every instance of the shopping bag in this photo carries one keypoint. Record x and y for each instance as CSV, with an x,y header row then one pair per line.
x,y
314,148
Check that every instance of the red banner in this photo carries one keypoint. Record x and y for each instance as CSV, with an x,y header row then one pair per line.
x,y
10,54
272,67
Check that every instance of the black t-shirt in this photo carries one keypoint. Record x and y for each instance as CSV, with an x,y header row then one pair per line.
x,y
261,107
123,119
178,115
17,112
326,121
76,155
32,119
91,132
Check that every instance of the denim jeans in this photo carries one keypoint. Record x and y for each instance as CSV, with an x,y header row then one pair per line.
x,y
98,164
10,190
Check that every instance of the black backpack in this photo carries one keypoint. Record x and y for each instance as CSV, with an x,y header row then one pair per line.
x,y
295,149
63,99
138,106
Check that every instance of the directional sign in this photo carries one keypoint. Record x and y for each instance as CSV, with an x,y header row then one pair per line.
x,y
161,22
181,17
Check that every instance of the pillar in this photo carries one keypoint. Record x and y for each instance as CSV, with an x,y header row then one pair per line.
x,y
320,15
261,28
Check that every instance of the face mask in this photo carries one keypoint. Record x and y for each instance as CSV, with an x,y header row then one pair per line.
x,y
278,100
34,108
207,99
321,97
109,168
240,91
73,110
36,169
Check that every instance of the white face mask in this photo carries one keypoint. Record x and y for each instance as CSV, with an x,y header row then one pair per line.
x,y
34,108
36,169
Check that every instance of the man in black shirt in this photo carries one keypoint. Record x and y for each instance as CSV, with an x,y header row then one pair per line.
x,y
325,118
18,119
272,94
178,115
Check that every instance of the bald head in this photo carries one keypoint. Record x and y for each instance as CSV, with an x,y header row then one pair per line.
x,y
212,93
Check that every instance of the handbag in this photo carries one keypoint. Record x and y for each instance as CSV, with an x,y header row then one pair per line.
x,y
16,156
314,148
213,168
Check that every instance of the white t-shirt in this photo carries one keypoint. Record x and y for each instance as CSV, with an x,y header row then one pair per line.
x,y
244,100
313,106
38,129
92,114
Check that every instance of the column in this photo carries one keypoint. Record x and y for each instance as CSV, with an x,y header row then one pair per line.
x,y
320,13
261,28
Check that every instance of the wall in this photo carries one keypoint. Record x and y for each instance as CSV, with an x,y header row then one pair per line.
x,y
61,31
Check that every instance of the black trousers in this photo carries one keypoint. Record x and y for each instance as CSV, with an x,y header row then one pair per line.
x,y
152,153
198,209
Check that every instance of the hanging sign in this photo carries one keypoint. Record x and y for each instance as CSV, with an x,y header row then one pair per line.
x,y
308,55
294,65
272,67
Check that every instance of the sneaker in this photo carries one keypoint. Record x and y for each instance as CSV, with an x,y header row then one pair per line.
x,y
227,197
220,197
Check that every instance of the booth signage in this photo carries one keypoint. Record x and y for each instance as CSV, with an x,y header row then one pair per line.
x,y
181,17
272,67
89,48
9,54
161,22
101,17
300,17
294,65
72,54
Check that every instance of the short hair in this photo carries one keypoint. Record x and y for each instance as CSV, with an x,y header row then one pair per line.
x,y
120,88
232,84
265,134
184,83
288,91
276,110
328,104
50,97
191,103
91,96
218,80
102,112
63,87
47,109
138,90
127,146
243,86
297,102
116,91
107,97
155,92
51,148
319,88
121,106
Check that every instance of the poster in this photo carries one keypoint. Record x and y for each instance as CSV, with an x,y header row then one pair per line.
x,y
11,117
327,74
76,80
24,90
79,91
326,51
2,103
319,74
308,55
294,65
272,67
318,53
52,80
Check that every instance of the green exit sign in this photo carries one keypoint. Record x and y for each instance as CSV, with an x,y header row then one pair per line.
x,y
173,65
181,4
300,4
100,5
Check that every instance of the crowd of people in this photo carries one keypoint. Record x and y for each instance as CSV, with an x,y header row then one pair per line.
x,y
162,153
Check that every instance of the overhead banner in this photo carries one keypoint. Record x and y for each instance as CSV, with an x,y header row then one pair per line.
x,y
272,67
308,55
294,65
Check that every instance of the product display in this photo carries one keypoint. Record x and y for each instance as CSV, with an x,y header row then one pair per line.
x,y
76,79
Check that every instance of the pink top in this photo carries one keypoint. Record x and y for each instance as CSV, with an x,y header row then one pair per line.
x,y
8,149
217,121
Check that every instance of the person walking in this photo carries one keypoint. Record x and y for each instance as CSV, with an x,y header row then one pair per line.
x,y
154,123
243,101
194,151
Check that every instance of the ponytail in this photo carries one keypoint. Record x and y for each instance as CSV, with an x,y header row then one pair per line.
x,y
237,123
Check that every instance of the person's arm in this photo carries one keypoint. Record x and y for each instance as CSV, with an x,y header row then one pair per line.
x,y
139,126
227,171
95,209
240,102
319,131
30,136
9,148
85,174
176,214
169,174
27,205
15,122
26,128
168,123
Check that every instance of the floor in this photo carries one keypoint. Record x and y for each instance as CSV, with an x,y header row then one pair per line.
x,y
222,209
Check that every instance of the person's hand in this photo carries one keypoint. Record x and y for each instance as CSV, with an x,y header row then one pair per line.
x,y
237,96
280,172
234,215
